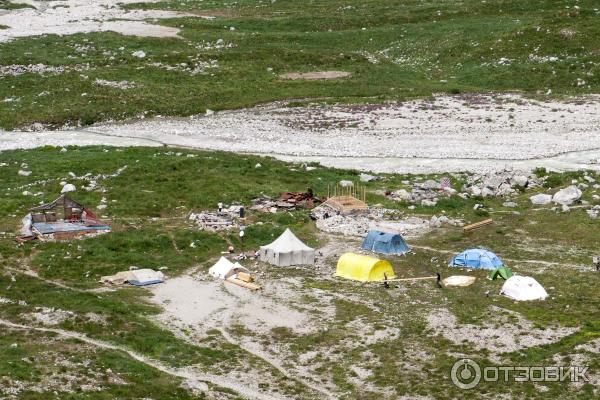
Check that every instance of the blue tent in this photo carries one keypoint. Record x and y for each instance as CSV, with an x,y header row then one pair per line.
x,y
476,258
383,242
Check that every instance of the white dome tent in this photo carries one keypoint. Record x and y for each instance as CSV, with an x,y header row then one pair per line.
x,y
523,288
287,250
225,269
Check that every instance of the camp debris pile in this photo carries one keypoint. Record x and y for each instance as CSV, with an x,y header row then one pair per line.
x,y
60,219
214,221
287,201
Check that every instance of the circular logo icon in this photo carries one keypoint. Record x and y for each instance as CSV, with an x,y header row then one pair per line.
x,y
466,374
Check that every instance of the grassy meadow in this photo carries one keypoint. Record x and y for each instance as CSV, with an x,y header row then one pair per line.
x,y
394,49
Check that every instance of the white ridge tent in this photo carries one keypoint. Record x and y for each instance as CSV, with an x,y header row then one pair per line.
x,y
523,288
287,250
224,269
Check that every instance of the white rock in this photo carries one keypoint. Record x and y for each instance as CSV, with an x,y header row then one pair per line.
x,y
24,173
487,192
139,54
474,191
258,165
101,206
592,213
402,194
541,199
368,178
428,203
565,208
567,196
69,187
510,204
589,179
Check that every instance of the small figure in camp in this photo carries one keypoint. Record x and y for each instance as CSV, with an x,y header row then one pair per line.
x,y
242,212
385,281
220,207
230,249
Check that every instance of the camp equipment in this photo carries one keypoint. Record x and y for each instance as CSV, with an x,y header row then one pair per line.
x,y
136,277
459,280
523,288
477,225
477,259
363,268
287,250
502,272
384,242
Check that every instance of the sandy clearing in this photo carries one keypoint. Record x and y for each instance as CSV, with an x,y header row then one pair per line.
x,y
314,75
67,17
450,133
214,304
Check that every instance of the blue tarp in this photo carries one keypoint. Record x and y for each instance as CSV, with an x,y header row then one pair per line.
x,y
60,226
476,258
386,243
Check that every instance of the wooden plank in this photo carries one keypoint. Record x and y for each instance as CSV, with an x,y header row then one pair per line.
x,y
247,285
411,279
243,276
477,225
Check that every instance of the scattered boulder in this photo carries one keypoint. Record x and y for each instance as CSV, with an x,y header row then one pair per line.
x,y
139,54
430,184
401,195
368,178
429,203
519,181
567,196
69,187
510,204
541,199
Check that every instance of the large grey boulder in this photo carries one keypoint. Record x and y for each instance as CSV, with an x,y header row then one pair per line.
x,y
368,178
401,194
519,181
541,199
430,184
567,196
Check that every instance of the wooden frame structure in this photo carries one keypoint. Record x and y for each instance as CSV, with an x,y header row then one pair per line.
x,y
347,199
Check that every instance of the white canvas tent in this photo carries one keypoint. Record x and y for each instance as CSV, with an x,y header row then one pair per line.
x,y
523,288
224,269
287,250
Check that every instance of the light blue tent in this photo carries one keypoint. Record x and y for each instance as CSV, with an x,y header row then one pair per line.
x,y
476,258
386,243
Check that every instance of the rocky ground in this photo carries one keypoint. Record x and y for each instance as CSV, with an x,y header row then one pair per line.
x,y
480,133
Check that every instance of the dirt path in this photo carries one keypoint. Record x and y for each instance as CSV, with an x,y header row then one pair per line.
x,y
193,378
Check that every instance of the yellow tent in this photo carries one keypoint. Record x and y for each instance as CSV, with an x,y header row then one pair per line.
x,y
363,268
